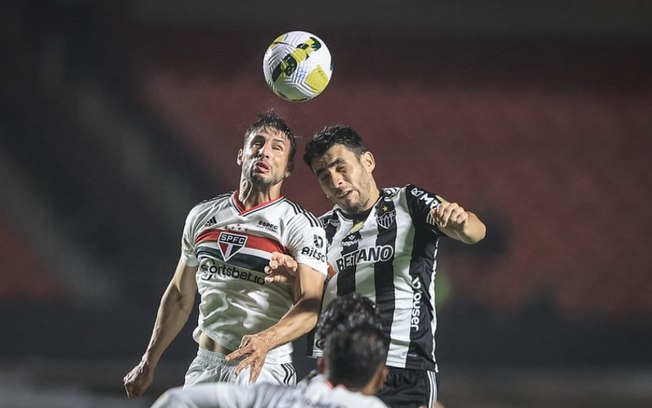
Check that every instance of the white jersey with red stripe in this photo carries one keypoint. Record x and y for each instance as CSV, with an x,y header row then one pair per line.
x,y
231,247
312,392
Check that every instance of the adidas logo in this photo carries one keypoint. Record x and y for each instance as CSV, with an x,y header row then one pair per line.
x,y
211,222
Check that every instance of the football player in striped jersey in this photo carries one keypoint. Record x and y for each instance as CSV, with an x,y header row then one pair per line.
x,y
382,243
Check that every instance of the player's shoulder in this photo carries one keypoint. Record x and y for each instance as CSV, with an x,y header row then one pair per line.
x,y
417,192
207,206
222,197
330,217
393,192
419,197
297,213
211,202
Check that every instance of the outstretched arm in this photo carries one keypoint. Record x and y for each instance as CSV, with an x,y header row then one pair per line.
x,y
299,320
173,312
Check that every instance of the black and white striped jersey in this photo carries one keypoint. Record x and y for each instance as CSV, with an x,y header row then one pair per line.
x,y
230,246
389,255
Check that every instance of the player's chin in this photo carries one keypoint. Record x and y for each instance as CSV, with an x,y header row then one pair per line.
x,y
349,206
262,178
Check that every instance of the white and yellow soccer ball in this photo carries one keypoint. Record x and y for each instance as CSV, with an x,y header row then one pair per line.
x,y
297,66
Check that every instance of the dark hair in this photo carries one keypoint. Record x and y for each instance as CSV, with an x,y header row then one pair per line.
x,y
348,310
329,136
350,332
354,354
271,120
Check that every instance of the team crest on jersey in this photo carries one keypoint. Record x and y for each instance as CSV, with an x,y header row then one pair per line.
x,y
387,219
230,244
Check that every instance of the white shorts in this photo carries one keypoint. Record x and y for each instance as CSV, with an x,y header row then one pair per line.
x,y
210,366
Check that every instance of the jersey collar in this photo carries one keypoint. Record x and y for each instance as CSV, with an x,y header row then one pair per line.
x,y
240,207
362,216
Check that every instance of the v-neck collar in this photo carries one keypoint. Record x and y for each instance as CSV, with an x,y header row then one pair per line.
x,y
240,207
361,217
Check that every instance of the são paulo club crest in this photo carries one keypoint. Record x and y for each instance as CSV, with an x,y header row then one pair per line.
x,y
230,244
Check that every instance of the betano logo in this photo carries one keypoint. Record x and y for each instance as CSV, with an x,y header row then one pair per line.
x,y
382,253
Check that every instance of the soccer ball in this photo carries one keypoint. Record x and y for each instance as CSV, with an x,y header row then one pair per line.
x,y
297,66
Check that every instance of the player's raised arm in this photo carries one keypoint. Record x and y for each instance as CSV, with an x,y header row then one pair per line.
x,y
299,320
457,223
173,312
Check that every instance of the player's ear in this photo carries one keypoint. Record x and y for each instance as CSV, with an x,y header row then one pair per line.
x,y
289,169
321,365
239,158
368,161
380,378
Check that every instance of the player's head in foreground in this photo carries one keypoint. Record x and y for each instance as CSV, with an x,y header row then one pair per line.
x,y
343,166
355,347
267,156
345,311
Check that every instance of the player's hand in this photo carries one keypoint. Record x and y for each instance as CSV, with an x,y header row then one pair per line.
x,y
281,268
138,380
254,349
449,215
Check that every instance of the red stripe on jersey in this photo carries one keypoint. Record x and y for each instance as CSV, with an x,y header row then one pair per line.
x,y
253,241
241,209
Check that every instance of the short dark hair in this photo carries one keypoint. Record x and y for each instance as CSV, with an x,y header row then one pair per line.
x,y
271,120
354,354
351,334
332,135
348,310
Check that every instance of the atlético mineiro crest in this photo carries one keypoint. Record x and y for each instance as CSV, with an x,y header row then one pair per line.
x,y
230,244
387,219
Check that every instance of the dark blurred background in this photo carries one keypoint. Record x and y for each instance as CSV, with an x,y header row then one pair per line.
x,y
117,117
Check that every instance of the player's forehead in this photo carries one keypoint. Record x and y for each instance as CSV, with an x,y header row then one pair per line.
x,y
336,154
268,133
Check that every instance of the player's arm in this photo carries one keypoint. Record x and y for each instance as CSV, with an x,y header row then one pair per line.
x,y
457,223
299,320
173,312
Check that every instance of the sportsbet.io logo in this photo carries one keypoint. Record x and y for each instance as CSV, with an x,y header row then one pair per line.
x,y
212,271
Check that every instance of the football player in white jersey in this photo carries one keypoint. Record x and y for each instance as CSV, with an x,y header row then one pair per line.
x,y
245,325
351,371
382,243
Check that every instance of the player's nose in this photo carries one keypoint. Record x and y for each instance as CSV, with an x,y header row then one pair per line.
x,y
264,150
335,180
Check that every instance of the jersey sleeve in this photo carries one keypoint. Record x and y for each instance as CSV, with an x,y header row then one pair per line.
x,y
307,242
188,238
420,203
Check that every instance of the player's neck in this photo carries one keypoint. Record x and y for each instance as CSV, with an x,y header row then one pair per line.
x,y
374,196
368,389
251,195
362,214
